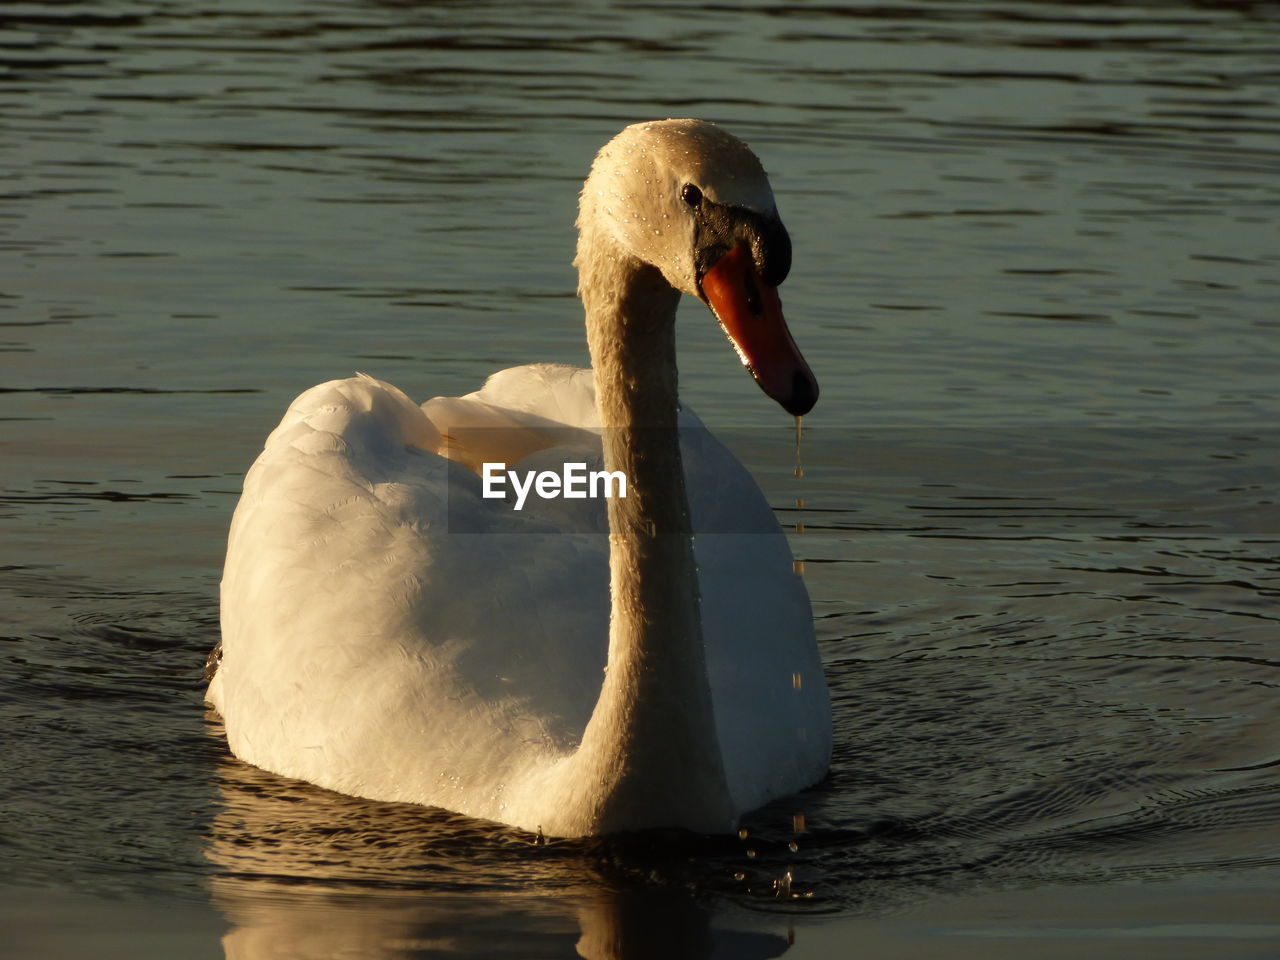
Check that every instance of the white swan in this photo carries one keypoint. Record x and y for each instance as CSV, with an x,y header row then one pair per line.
x,y
388,632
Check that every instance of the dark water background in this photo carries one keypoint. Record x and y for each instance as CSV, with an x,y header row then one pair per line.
x,y
1036,274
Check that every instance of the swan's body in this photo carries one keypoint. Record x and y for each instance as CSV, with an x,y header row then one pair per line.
x,y
390,633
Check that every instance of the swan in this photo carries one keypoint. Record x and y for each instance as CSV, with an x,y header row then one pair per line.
x,y
389,632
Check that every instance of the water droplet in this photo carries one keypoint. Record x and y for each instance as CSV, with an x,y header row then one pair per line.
x,y
782,887
799,434
797,681
797,822
751,853
742,833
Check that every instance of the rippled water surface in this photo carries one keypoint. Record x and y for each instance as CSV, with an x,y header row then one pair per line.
x,y
1037,272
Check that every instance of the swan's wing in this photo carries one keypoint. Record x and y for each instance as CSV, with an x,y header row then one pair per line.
x,y
386,631
516,413
553,391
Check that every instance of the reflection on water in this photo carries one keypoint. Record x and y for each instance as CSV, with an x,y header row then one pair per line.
x,y
1035,271
307,874
307,924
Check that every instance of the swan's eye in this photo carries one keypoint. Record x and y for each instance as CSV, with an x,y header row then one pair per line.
x,y
691,195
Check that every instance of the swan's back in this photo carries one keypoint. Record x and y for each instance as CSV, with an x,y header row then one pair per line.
x,y
368,650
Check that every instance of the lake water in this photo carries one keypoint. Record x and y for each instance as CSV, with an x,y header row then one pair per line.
x,y
1037,272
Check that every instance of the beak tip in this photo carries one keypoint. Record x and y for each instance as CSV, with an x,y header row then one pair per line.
x,y
802,396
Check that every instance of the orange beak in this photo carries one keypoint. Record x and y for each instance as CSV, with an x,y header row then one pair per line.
x,y
751,314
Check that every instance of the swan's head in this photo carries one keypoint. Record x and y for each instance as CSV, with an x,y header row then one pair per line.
x,y
694,202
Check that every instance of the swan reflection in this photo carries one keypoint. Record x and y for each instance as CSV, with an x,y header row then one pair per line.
x,y
305,874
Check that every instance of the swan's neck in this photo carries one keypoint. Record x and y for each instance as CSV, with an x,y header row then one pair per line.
x,y
651,741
